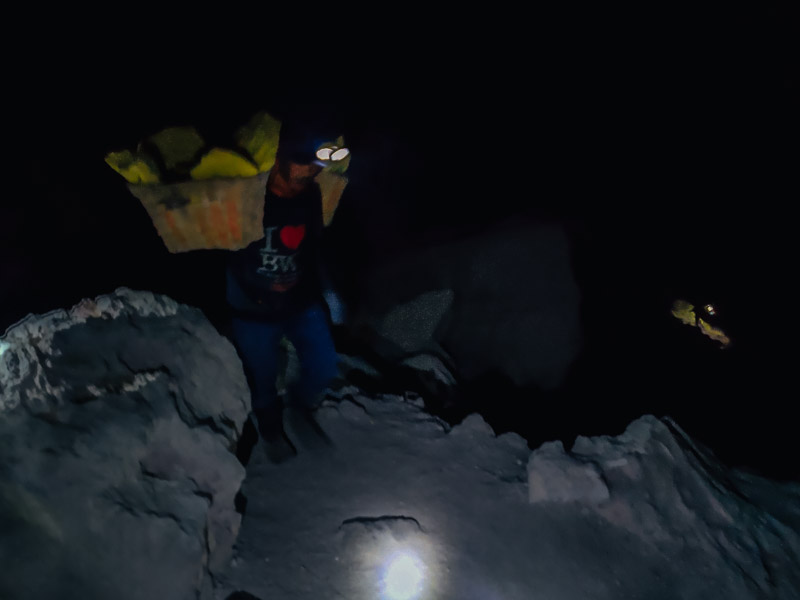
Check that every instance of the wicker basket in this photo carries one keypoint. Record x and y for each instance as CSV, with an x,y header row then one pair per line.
x,y
332,186
209,214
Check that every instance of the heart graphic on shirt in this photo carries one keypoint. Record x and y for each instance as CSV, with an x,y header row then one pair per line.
x,y
291,236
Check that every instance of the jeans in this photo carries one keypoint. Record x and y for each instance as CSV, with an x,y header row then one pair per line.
x,y
258,343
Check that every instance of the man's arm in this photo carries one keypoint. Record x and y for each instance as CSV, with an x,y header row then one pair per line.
x,y
332,298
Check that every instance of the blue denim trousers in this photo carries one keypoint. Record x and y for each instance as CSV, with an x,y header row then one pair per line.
x,y
258,344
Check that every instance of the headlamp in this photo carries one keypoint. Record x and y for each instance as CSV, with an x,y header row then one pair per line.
x,y
332,154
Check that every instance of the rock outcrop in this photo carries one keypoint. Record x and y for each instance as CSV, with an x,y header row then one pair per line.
x,y
118,476
504,300
647,514
659,485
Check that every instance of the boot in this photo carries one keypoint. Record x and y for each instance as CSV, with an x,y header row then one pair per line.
x,y
306,430
278,446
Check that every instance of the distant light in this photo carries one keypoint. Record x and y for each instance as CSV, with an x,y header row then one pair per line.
x,y
404,577
710,309
340,154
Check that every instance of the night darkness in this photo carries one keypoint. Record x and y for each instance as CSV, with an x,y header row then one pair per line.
x,y
664,161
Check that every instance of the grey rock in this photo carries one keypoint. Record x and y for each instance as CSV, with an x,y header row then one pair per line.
x,y
526,325
349,363
431,365
554,476
473,426
656,483
412,325
454,506
453,300
24,343
118,420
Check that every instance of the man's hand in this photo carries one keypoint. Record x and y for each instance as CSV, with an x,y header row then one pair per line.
x,y
335,305
282,287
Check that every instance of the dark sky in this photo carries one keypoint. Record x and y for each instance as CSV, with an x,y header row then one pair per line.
x,y
661,146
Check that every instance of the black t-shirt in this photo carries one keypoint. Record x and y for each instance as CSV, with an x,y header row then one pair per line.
x,y
279,275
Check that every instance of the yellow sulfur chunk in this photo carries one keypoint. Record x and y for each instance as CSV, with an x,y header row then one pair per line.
x,y
684,311
714,333
135,168
260,138
177,145
219,162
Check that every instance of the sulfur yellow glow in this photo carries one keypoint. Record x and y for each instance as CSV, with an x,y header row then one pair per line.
x,y
714,333
684,311
404,577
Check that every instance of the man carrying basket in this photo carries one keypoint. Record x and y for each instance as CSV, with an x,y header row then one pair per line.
x,y
275,289
214,198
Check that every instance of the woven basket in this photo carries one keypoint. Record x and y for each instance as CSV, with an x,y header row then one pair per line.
x,y
209,214
332,186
